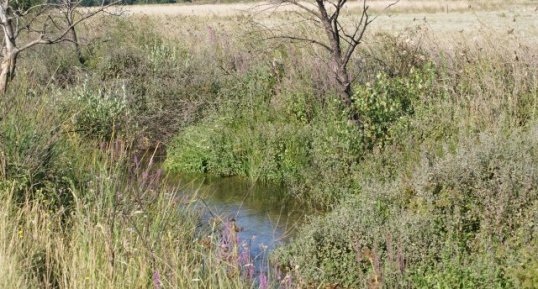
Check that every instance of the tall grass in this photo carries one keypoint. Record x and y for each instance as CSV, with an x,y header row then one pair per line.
x,y
435,188
78,210
115,242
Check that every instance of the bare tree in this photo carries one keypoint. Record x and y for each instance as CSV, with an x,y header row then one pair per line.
x,y
26,26
69,14
340,41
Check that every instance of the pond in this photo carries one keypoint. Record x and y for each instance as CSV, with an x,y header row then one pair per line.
x,y
264,214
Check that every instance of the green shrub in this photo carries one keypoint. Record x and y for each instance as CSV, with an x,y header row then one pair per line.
x,y
288,137
40,162
100,115
452,221
387,100
292,136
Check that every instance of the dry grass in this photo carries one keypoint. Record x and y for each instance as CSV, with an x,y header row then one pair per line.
x,y
409,6
515,19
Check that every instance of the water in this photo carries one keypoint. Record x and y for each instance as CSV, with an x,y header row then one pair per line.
x,y
265,215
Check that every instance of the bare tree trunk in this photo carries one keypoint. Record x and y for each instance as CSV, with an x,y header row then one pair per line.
x,y
7,70
78,50
9,51
338,61
339,71
73,32
4,75
345,92
343,82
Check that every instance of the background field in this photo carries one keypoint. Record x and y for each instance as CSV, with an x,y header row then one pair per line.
x,y
445,19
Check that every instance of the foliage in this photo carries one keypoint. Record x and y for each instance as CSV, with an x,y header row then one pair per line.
x,y
299,142
234,144
453,223
387,100
435,188
100,115
36,153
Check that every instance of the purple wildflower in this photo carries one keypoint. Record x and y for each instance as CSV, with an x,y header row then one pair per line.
x,y
156,280
264,284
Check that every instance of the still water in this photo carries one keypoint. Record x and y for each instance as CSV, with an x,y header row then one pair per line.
x,y
265,215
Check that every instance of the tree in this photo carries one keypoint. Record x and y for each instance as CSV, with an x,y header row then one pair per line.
x,y
28,24
69,20
340,42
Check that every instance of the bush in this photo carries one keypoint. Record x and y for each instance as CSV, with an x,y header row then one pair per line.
x,y
99,115
384,102
454,223
38,161
292,137
247,139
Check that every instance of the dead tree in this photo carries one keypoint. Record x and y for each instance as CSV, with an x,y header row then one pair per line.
x,y
48,22
69,14
340,40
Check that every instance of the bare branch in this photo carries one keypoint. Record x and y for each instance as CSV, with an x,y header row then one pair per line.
x,y
302,6
59,38
45,23
392,4
304,39
358,34
338,8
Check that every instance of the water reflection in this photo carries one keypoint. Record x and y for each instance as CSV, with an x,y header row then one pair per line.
x,y
264,214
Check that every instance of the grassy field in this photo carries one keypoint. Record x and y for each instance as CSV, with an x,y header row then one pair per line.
x,y
437,187
445,20
260,8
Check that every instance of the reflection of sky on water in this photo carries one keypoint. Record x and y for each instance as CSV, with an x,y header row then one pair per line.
x,y
256,228
264,213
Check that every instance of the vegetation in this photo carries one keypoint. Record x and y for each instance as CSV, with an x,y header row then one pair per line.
x,y
435,188
29,24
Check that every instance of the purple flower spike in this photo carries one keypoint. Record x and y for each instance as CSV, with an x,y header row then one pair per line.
x,y
264,284
156,280
137,162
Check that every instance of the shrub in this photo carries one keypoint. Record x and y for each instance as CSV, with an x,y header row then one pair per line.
x,y
292,137
100,115
387,100
39,162
450,224
221,144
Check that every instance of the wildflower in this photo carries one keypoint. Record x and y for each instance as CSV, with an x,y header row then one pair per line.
x,y
264,284
156,280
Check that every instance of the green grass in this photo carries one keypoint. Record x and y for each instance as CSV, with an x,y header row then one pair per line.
x,y
79,213
436,188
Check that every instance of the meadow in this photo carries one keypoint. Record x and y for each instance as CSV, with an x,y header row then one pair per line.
x,y
436,187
